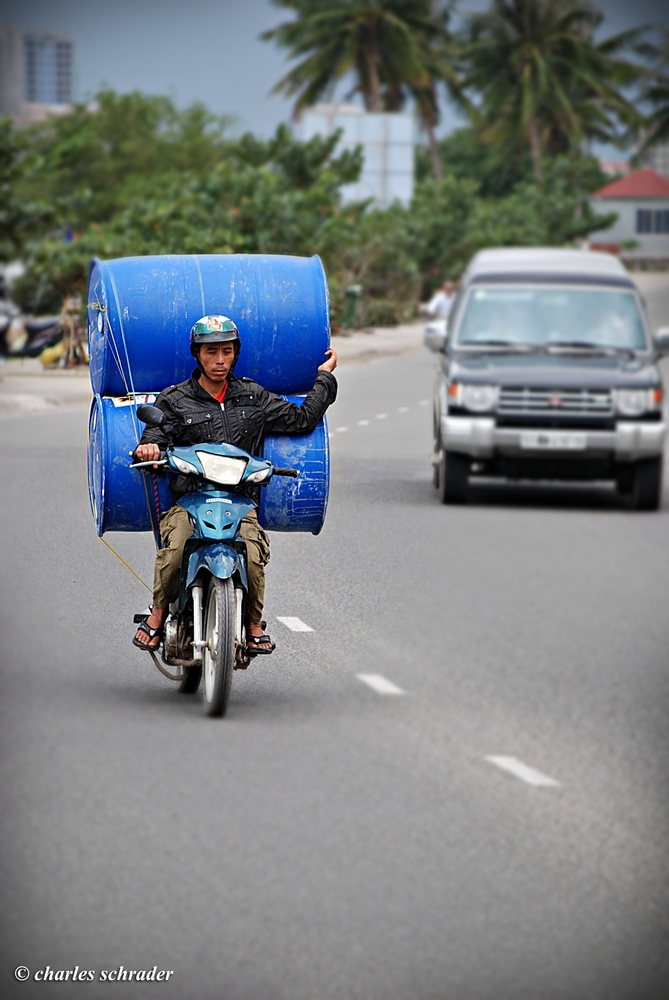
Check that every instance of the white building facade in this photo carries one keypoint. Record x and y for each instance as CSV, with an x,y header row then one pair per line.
x,y
387,141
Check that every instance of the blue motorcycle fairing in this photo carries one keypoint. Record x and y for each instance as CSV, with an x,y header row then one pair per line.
x,y
216,515
221,560
188,453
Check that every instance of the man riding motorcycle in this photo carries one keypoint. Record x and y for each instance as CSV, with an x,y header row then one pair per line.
x,y
214,406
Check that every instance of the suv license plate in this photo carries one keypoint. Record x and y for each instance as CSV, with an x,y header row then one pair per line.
x,y
552,441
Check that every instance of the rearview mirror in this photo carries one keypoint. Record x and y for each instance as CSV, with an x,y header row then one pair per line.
x,y
662,340
435,335
151,415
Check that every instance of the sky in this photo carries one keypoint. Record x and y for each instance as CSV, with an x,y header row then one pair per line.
x,y
209,50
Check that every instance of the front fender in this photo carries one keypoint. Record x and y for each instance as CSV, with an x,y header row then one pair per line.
x,y
219,559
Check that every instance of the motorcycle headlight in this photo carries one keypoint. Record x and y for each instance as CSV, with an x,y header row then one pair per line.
x,y
222,468
258,477
634,402
478,398
184,466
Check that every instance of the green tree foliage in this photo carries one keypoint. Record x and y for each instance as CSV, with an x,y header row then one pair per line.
x,y
20,217
542,82
152,180
96,160
451,221
465,154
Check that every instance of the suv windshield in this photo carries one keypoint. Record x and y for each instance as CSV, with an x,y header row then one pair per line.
x,y
541,317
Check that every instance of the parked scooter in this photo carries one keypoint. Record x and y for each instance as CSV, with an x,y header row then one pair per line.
x,y
205,632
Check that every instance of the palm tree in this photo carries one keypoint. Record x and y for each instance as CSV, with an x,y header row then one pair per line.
x,y
391,47
543,82
656,92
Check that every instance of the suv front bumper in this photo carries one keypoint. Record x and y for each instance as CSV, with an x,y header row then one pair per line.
x,y
481,438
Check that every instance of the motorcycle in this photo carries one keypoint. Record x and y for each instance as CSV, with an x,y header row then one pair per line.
x,y
204,634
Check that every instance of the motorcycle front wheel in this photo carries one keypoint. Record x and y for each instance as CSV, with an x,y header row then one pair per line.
x,y
218,658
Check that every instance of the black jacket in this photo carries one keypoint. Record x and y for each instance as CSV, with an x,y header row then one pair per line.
x,y
246,415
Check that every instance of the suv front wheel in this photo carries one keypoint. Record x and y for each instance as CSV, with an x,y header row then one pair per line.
x,y
646,493
453,477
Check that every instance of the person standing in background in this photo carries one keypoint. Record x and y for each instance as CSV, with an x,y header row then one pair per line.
x,y
440,304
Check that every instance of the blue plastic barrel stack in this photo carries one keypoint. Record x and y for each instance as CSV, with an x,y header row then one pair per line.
x,y
140,312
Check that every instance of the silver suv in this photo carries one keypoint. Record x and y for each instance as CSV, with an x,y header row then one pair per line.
x,y
550,373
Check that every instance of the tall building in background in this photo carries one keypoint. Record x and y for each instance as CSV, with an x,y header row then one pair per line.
x,y
36,74
387,141
11,70
48,68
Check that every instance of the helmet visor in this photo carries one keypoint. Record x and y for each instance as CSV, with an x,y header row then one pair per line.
x,y
215,337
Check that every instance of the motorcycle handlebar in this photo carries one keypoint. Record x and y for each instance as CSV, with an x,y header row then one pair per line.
x,y
291,473
162,460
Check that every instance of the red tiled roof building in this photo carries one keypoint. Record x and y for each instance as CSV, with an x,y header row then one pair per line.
x,y
641,201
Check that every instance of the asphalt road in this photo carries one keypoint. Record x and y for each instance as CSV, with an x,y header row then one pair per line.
x,y
328,841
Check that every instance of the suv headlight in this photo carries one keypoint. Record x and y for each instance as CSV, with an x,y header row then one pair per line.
x,y
634,402
477,398
222,468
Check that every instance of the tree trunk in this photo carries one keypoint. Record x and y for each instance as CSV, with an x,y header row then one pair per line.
x,y
435,156
374,83
535,149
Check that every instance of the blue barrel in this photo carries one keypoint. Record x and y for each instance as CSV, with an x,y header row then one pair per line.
x,y
297,504
120,496
141,310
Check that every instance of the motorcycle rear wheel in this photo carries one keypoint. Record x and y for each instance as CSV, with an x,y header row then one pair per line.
x,y
218,657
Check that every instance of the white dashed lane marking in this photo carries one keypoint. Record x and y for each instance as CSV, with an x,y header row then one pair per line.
x,y
523,771
379,684
379,416
294,624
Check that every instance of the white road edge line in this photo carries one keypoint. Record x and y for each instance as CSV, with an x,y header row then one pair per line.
x,y
294,624
523,771
380,684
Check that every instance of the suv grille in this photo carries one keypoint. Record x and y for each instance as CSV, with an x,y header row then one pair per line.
x,y
555,401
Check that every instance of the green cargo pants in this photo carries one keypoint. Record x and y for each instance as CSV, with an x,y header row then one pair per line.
x,y
175,528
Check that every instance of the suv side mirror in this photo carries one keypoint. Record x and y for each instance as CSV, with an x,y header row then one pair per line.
x,y
151,415
662,340
435,335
